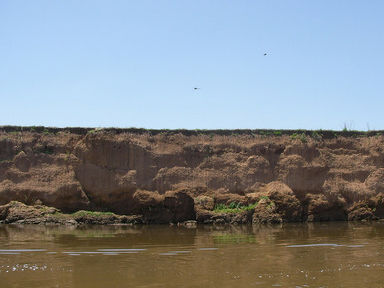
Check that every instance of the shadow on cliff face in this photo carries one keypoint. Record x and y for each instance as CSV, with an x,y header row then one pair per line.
x,y
171,207
319,207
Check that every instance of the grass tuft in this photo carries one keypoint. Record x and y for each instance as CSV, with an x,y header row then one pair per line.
x,y
84,213
233,207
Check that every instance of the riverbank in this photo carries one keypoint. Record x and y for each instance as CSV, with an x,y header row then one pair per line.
x,y
173,176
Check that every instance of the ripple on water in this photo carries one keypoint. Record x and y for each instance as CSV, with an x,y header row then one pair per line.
x,y
315,245
82,252
173,253
208,249
21,250
122,250
168,254
103,252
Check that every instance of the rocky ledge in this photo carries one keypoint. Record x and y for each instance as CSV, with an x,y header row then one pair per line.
x,y
19,213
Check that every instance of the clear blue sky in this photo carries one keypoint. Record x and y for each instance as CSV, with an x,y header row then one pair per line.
x,y
135,63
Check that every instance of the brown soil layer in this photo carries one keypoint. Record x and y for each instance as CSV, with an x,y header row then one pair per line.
x,y
163,176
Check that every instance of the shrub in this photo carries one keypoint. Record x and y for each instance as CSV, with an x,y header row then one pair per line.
x,y
316,136
303,138
277,133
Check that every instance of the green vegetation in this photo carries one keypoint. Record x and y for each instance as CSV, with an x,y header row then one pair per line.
x,y
46,132
225,238
295,136
302,137
236,207
271,204
346,131
316,136
84,213
95,130
277,133
233,207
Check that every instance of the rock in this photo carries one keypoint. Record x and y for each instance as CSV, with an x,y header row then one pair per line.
x,y
323,208
265,213
19,212
377,205
228,198
285,202
189,224
71,222
219,221
143,199
254,197
204,216
243,217
360,212
204,202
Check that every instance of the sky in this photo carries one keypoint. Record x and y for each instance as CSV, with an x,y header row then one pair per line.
x,y
125,63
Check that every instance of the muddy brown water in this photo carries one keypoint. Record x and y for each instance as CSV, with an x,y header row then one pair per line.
x,y
292,255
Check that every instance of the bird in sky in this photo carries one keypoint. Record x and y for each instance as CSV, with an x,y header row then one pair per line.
x,y
196,88
265,54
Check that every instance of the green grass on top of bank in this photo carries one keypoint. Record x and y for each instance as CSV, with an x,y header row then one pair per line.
x,y
325,134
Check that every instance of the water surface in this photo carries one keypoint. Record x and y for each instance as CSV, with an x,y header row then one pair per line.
x,y
293,255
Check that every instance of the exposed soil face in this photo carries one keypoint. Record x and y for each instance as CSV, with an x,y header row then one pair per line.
x,y
173,178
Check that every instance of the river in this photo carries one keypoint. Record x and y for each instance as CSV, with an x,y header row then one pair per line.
x,y
291,255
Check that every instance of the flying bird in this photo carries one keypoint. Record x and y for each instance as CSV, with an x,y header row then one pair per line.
x,y
196,88
265,54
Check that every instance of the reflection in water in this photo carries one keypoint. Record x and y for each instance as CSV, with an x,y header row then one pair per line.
x,y
291,255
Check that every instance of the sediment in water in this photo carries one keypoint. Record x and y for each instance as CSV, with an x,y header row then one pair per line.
x,y
162,176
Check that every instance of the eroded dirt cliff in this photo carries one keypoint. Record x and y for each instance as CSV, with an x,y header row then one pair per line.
x,y
171,177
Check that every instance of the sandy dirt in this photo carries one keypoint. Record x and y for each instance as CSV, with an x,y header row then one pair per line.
x,y
174,177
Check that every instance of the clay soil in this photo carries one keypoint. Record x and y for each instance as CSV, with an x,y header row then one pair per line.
x,y
176,176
